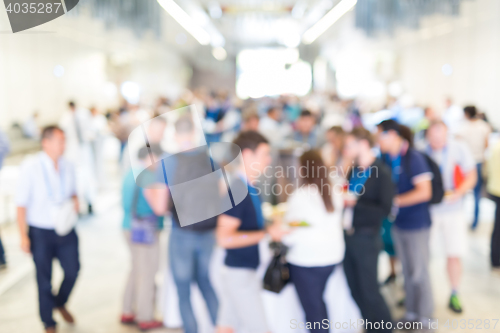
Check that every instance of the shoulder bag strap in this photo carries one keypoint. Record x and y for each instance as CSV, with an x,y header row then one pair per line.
x,y
135,200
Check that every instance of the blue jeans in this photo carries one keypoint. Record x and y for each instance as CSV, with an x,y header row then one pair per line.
x,y
477,194
2,253
190,254
45,246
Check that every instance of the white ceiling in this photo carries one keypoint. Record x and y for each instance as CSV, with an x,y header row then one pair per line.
x,y
250,23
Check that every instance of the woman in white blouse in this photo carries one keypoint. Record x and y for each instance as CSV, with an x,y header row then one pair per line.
x,y
317,248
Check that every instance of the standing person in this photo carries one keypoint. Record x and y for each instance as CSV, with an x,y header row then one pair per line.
x,y
30,127
155,131
494,191
76,124
406,133
271,127
458,171
370,182
98,131
250,120
453,116
191,246
331,152
411,227
306,131
46,183
475,132
317,249
139,300
420,129
4,150
239,230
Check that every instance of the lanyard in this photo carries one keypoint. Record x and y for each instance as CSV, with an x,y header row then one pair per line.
x,y
358,180
257,204
254,195
395,167
49,185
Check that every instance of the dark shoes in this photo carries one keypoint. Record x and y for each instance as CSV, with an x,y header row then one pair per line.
x,y
66,315
455,304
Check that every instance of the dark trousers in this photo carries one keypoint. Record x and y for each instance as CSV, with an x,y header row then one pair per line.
x,y
45,246
495,237
2,254
360,267
310,283
477,193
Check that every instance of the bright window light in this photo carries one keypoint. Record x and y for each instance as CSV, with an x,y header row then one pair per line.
x,y
131,91
58,71
447,69
271,72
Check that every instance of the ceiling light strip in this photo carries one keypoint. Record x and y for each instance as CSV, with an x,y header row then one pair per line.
x,y
328,20
183,18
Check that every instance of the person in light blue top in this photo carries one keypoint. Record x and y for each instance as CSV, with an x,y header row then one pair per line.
x,y
143,207
449,226
142,224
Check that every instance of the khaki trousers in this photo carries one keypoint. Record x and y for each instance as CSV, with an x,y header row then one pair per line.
x,y
141,290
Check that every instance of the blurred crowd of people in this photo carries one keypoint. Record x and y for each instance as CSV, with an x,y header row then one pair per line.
x,y
402,185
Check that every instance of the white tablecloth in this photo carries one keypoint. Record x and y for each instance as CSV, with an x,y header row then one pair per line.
x,y
280,308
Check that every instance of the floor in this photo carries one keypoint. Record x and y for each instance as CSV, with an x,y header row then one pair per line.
x,y
96,299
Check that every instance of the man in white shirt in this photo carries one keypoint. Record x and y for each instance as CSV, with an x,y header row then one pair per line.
x,y
77,126
47,182
453,116
449,228
475,133
272,129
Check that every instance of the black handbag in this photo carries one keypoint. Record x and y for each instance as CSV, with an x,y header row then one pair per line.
x,y
277,273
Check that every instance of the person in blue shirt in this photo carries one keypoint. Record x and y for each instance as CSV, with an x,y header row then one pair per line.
x,y
46,201
411,229
139,300
306,131
239,230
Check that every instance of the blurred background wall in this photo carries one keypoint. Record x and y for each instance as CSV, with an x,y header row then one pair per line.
x,y
451,52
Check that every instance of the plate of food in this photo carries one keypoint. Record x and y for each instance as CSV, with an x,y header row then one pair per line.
x,y
299,224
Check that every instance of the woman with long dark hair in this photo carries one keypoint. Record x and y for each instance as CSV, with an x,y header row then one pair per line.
x,y
316,243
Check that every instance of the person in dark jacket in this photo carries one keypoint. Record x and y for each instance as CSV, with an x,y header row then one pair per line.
x,y
368,202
